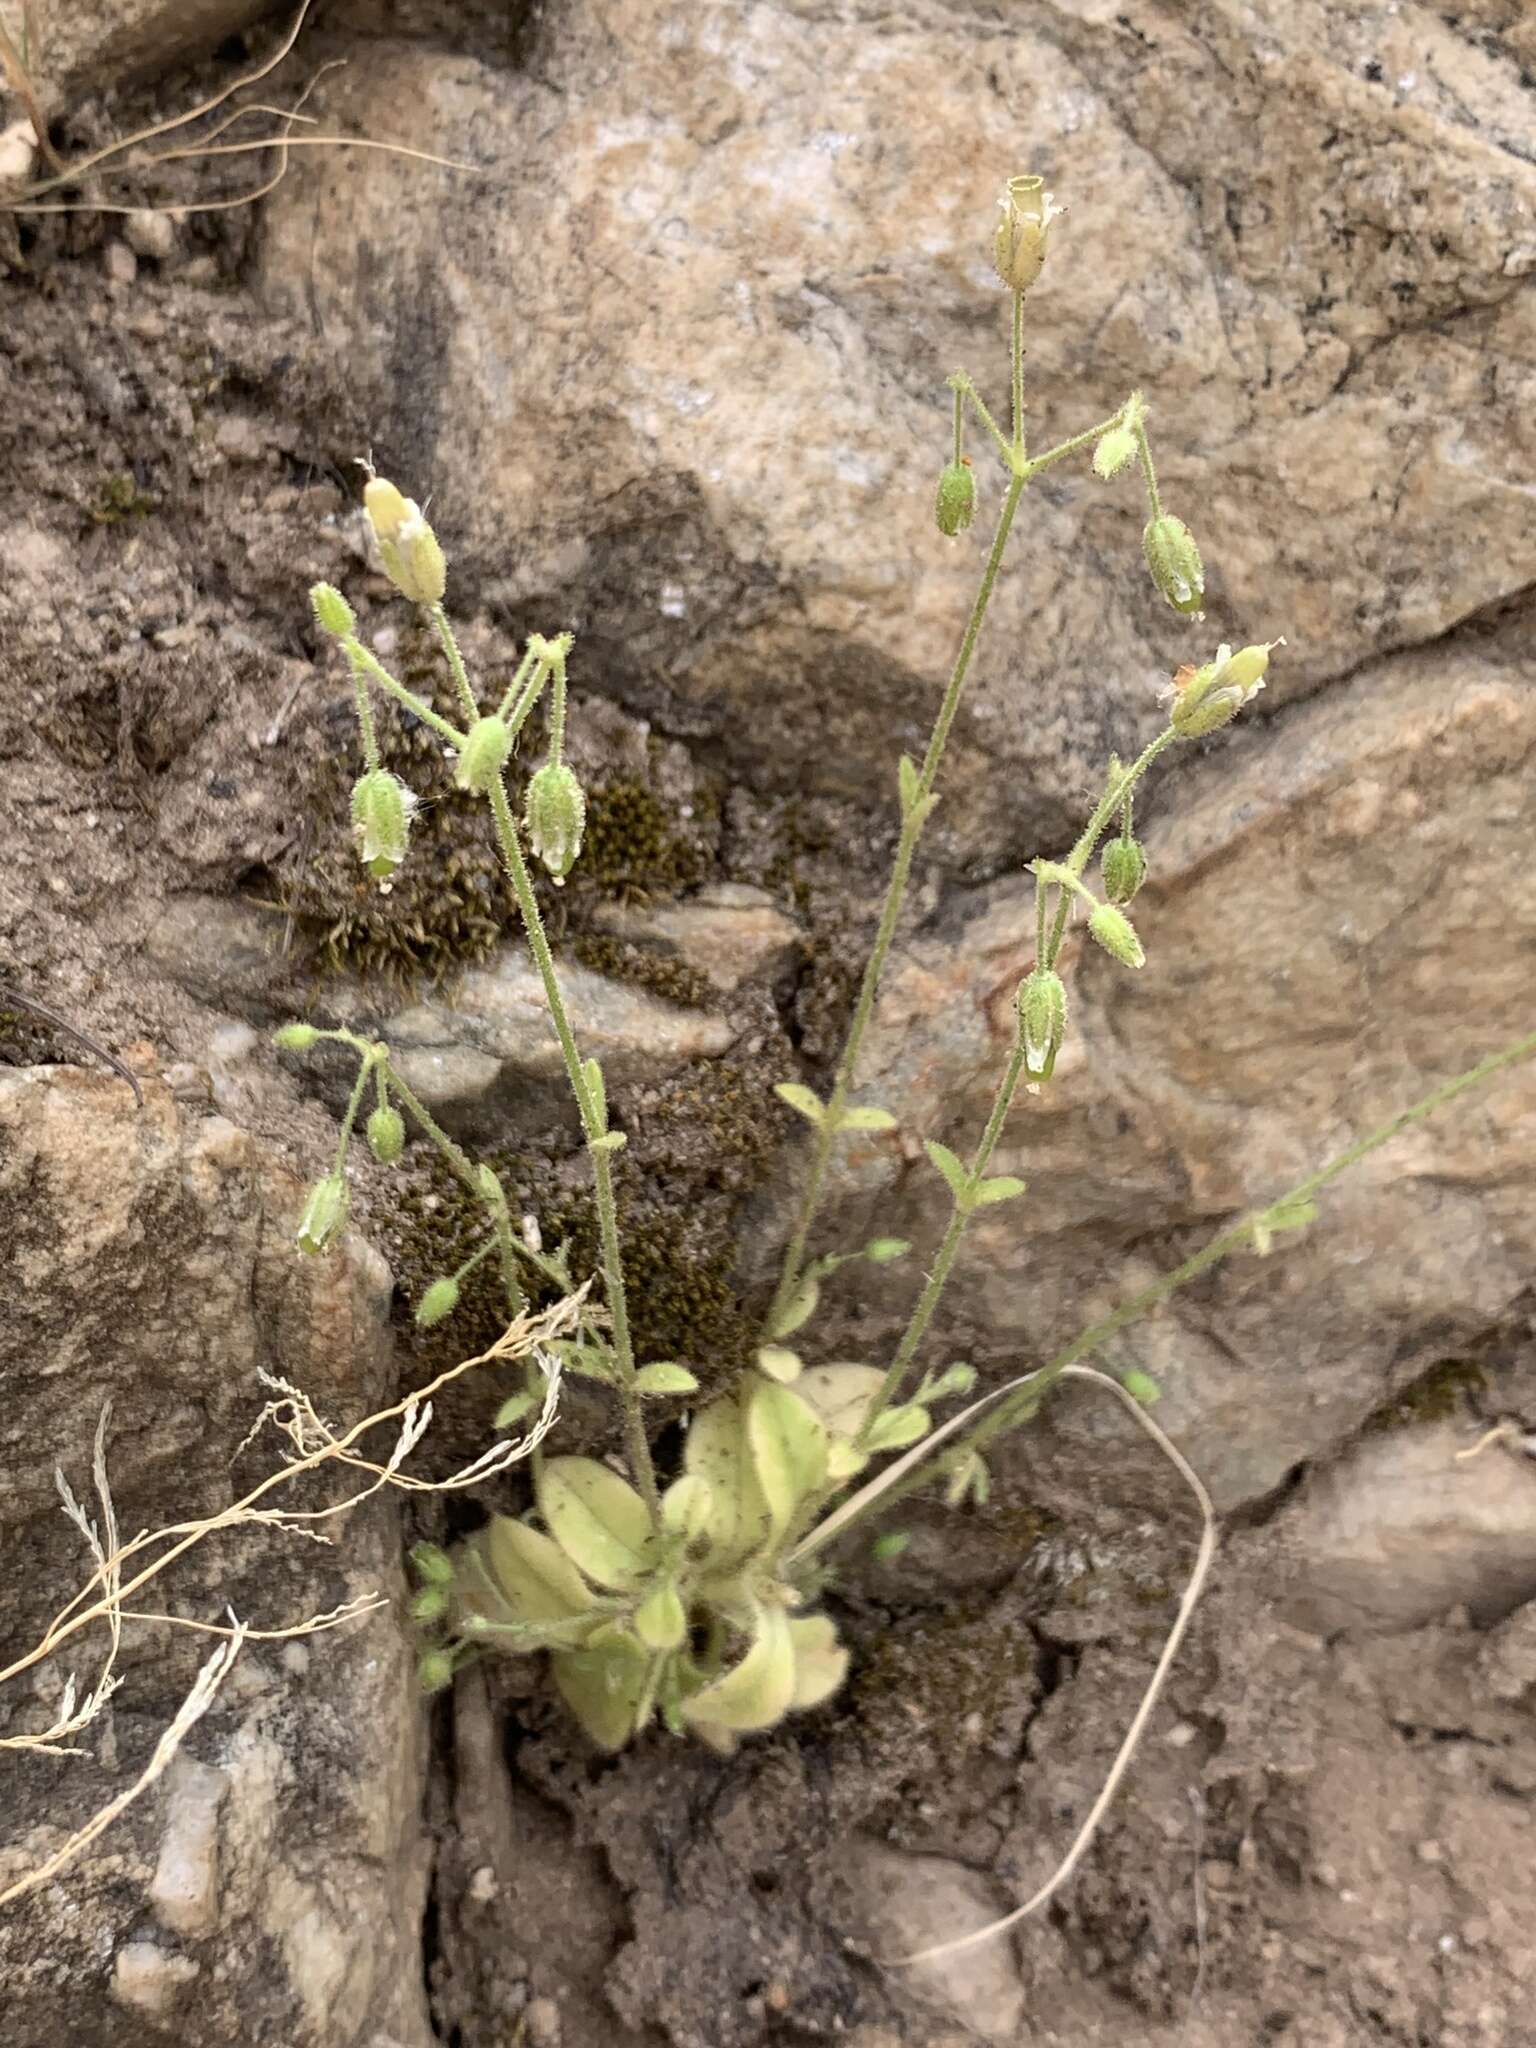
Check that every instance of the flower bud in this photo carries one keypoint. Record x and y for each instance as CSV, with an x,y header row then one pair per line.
x,y
555,813
483,754
434,1671
955,504
433,1566
408,548
1116,934
1205,698
440,1299
332,612
382,809
325,1214
1113,451
386,1134
1124,868
295,1037
1175,562
1042,1001
1018,247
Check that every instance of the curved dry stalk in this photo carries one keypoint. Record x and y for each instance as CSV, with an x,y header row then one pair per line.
x,y
1128,1747
528,1334
191,1710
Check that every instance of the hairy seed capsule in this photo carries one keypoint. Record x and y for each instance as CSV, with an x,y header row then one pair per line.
x,y
1209,697
325,1214
386,1134
440,1299
295,1037
1116,934
483,755
1175,562
1018,247
1042,1001
1113,451
408,548
555,814
955,505
434,1671
382,808
1124,868
332,612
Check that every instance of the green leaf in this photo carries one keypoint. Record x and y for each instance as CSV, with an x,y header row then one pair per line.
x,y
799,1309
779,1364
843,1461
660,1621
883,1251
535,1578
907,782
686,1507
610,1141
665,1378
898,1427
1003,1188
953,1171
717,1452
922,812
592,1074
589,1361
604,1687
1141,1387
513,1409
597,1518
821,1662
788,1441
840,1394
805,1100
887,1548
759,1690
866,1120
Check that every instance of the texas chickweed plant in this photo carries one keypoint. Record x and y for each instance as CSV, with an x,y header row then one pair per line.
x,y
691,1596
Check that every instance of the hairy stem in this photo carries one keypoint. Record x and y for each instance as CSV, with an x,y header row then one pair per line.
x,y
1118,793
456,668
602,1170
943,1265
375,670
895,895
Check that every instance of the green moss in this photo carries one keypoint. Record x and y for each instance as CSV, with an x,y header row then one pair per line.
x,y
635,847
1435,1396
673,980
118,498
450,903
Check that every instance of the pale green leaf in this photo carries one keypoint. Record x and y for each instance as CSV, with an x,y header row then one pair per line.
x,y
660,1621
611,1141
1141,1387
840,1394
951,1168
536,1579
686,1507
907,781
1002,1188
665,1378
604,1688
779,1364
887,1548
592,1074
513,1409
883,1251
870,1119
923,811
800,1098
799,1309
717,1452
597,1518
759,1690
843,1461
821,1662
590,1361
789,1449
897,1428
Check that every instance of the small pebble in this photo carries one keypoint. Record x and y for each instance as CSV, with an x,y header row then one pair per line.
x,y
150,233
542,2023
122,266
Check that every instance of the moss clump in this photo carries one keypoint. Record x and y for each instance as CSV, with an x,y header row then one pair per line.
x,y
671,979
119,498
634,846
450,903
1435,1396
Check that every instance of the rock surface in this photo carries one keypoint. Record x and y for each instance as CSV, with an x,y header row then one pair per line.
x,y
271,1884
93,44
